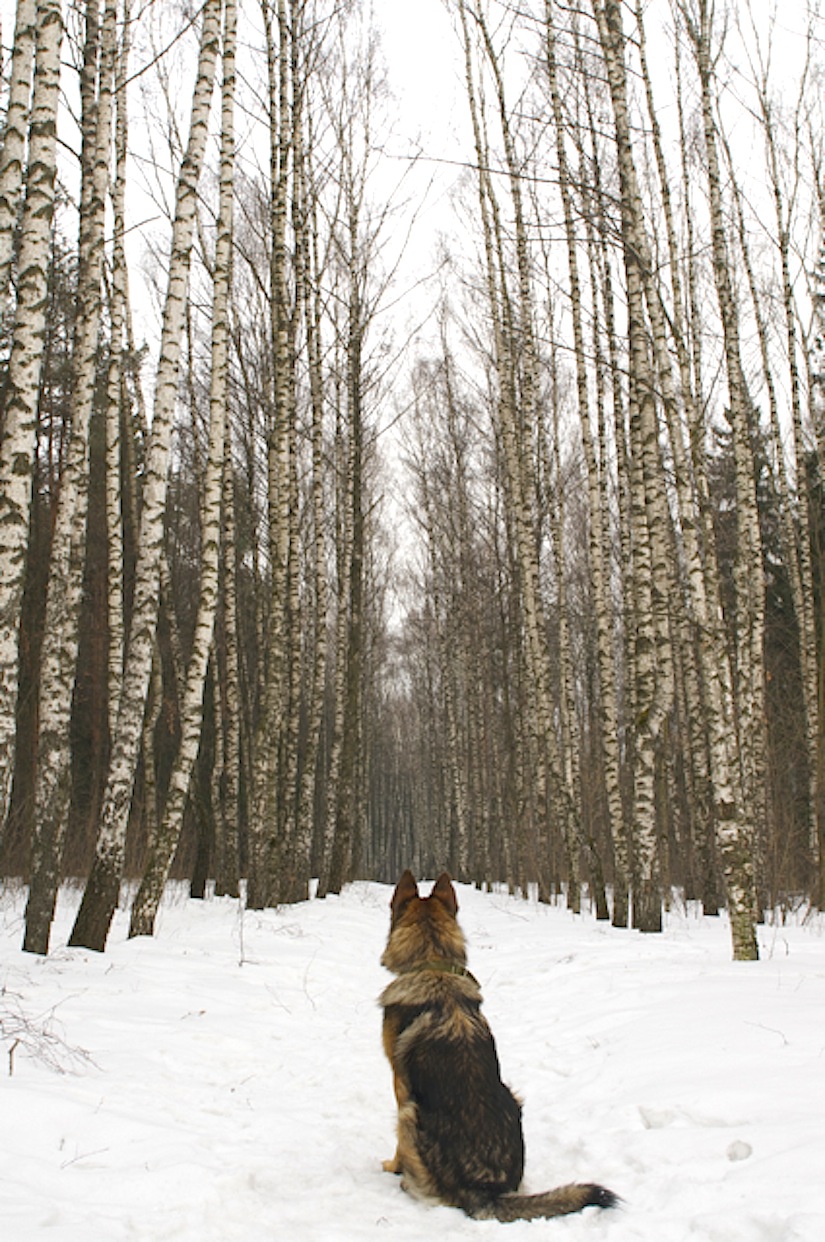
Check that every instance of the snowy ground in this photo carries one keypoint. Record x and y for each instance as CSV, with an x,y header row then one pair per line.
x,y
225,1080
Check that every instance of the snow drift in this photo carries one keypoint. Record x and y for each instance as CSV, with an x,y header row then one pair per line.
x,y
225,1080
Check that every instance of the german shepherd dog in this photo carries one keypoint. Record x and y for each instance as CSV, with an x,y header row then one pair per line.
x,y
460,1140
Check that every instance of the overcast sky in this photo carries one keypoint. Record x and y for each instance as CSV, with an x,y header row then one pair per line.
x,y
423,62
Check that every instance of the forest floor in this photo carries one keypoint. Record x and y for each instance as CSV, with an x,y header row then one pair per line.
x,y
225,1080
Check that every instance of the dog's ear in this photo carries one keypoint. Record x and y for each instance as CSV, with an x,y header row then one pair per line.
x,y
444,892
405,890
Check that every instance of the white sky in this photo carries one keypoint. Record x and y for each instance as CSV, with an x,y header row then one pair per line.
x,y
424,72
424,62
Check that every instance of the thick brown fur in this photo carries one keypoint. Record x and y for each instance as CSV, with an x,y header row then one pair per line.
x,y
460,1139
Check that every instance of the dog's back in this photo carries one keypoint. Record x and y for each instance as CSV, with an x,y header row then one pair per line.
x,y
460,1138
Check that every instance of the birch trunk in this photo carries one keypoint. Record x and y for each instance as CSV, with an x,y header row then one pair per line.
x,y
442,567
147,900
523,409
13,150
621,841
60,644
735,829
816,400
596,485
513,340
346,804
290,876
25,364
713,653
798,552
705,698
308,256
101,895
269,817
354,246
648,507
461,649
116,396
344,542
228,872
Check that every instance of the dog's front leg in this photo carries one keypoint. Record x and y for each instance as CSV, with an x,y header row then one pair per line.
x,y
395,1165
390,1033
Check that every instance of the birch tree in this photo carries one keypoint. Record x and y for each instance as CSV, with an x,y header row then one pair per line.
x,y
116,382
59,658
227,867
512,328
101,893
648,516
596,485
270,814
797,548
308,285
147,900
356,239
24,368
350,654
13,148
736,834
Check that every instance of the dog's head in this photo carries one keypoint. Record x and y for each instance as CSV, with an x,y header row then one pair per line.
x,y
406,902
423,928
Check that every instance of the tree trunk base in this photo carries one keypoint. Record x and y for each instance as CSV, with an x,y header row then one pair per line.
x,y
40,910
743,937
94,918
621,913
647,910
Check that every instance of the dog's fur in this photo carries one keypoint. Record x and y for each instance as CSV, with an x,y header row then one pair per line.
x,y
460,1139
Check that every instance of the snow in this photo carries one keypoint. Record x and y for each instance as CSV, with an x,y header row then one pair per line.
x,y
225,1079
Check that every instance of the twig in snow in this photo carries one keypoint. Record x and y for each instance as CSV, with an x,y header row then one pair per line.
x,y
37,1037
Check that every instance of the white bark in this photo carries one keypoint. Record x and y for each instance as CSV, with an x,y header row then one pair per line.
x,y
150,892
60,643
800,567
228,866
115,384
596,484
309,266
100,897
269,815
13,150
653,663
25,364
344,561
736,828
514,350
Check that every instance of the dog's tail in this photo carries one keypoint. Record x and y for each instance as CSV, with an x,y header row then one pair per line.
x,y
559,1202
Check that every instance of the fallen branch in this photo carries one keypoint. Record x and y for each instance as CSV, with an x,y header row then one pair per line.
x,y
37,1037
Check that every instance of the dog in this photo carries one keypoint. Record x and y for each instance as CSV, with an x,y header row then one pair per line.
x,y
460,1138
